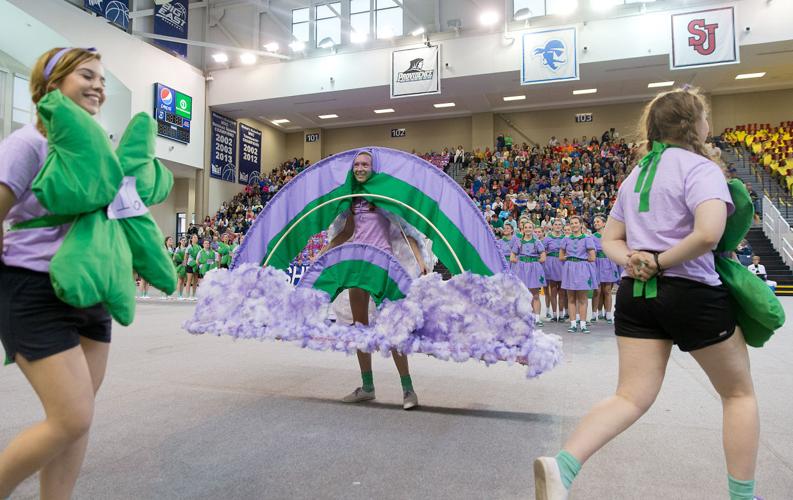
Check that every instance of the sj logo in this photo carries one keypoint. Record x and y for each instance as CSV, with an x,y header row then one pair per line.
x,y
704,36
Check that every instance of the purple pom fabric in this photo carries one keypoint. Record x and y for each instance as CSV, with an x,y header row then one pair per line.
x,y
485,318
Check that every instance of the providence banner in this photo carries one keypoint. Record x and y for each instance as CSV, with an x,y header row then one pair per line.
x,y
170,19
549,56
704,38
415,72
250,154
223,145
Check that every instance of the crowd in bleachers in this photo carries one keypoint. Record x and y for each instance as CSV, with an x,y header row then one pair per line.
x,y
768,147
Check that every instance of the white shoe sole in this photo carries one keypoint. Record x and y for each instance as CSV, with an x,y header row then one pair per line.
x,y
547,482
410,406
359,399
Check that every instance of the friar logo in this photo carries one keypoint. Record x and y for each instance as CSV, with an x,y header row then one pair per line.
x,y
704,36
416,72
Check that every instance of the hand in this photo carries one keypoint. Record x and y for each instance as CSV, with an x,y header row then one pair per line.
x,y
642,265
513,259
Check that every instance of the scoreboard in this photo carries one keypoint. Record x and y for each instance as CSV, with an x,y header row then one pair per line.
x,y
173,111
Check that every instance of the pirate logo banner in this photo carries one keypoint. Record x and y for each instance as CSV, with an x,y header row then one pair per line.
x,y
549,56
415,72
704,38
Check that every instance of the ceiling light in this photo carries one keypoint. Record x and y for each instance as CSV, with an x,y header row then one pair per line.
x,y
326,43
247,58
297,46
220,57
584,91
562,7
745,76
356,37
514,97
522,14
488,18
381,111
601,5
279,121
327,117
659,84
272,47
444,105
418,31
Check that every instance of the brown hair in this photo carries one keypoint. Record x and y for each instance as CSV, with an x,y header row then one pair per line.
x,y
578,217
41,86
672,118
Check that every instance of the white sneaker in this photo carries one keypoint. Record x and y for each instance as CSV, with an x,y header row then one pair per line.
x,y
410,401
358,396
548,480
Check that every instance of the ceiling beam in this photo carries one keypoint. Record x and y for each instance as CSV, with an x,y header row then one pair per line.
x,y
199,43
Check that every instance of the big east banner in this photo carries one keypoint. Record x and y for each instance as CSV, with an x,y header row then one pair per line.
x,y
704,38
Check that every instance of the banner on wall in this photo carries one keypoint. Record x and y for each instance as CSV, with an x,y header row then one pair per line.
x,y
415,72
223,148
115,11
170,19
549,56
704,38
250,154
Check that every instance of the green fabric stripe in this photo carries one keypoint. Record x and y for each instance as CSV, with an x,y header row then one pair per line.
x,y
358,274
574,259
44,221
524,258
600,254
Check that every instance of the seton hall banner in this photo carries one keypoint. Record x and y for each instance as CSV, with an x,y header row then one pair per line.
x,y
704,38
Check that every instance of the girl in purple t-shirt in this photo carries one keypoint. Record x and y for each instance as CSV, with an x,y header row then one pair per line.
x,y
577,252
531,255
669,216
608,273
508,243
553,267
61,350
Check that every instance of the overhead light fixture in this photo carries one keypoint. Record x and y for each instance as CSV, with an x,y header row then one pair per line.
x,y
514,97
584,91
562,7
356,37
279,121
247,58
272,47
746,76
522,14
297,46
327,117
444,105
659,84
220,57
326,43
381,111
418,31
488,18
601,5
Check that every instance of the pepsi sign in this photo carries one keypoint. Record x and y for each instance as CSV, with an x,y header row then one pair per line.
x,y
173,111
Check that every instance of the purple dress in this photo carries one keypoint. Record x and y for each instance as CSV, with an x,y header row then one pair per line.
x,y
577,272
528,267
552,265
607,271
371,226
508,247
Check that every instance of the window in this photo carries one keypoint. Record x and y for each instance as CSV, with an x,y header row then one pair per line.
x,y
328,24
22,111
300,24
388,19
536,7
360,18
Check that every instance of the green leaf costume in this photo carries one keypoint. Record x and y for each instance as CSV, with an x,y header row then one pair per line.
x,y
178,261
81,176
207,260
224,251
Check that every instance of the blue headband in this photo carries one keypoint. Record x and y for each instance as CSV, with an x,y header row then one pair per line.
x,y
57,57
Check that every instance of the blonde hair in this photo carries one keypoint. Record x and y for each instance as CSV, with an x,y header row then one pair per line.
x,y
672,118
41,85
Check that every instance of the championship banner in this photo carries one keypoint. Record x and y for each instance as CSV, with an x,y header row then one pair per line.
x,y
704,38
223,143
250,154
415,72
549,56
170,19
115,11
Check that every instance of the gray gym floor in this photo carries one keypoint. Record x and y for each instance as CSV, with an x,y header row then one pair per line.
x,y
206,417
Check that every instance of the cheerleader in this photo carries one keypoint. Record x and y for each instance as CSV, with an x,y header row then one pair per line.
x,y
207,259
224,251
607,273
179,257
553,268
169,246
508,243
578,276
531,256
191,266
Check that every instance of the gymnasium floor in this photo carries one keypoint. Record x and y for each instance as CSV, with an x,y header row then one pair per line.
x,y
207,417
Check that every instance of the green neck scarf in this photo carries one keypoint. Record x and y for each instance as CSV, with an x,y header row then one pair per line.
x,y
647,168
597,235
577,237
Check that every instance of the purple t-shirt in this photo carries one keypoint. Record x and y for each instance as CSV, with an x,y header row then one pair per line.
x,y
683,181
577,247
22,155
531,248
552,243
509,246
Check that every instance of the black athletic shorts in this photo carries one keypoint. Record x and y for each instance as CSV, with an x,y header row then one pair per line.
x,y
690,313
190,269
36,324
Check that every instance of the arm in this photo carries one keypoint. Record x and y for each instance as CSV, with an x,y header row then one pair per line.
x,y
562,255
543,255
343,236
614,242
590,255
7,200
417,253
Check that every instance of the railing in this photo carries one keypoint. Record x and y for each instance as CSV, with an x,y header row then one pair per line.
x,y
516,129
767,185
777,229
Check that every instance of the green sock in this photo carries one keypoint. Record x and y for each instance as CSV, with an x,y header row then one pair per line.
x,y
368,381
568,466
740,490
407,384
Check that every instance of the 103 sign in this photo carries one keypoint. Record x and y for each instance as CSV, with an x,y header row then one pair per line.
x,y
583,117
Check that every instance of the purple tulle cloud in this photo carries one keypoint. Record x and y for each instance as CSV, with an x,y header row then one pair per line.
x,y
486,318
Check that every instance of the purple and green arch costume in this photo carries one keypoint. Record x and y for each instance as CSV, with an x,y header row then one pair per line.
x,y
482,313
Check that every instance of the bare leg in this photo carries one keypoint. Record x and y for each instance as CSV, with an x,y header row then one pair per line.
x,y
572,307
553,292
535,300
607,298
595,302
58,477
401,362
642,369
582,301
727,367
64,386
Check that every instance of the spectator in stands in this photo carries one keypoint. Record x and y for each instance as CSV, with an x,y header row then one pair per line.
x,y
758,208
744,252
500,144
459,154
